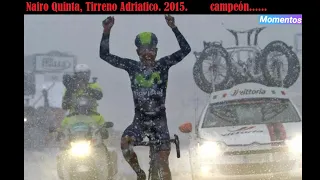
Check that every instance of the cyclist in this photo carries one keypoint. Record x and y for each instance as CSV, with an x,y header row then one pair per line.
x,y
149,84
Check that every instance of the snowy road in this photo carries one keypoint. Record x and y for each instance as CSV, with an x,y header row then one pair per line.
x,y
42,165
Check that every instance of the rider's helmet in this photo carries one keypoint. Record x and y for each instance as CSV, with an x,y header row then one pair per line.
x,y
146,43
82,72
146,39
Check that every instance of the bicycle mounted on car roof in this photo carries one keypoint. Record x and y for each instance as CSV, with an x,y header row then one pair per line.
x,y
254,69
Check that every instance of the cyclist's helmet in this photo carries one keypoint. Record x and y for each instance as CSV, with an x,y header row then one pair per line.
x,y
146,39
82,71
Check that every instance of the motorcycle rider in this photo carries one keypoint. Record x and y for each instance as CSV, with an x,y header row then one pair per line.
x,y
76,86
148,83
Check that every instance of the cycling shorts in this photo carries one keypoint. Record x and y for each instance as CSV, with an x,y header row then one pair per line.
x,y
152,127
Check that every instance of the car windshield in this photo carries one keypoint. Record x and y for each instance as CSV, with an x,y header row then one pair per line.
x,y
250,111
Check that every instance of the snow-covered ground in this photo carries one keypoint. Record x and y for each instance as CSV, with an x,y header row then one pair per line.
x,y
41,165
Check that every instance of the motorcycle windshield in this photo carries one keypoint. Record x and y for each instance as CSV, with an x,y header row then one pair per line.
x,y
79,131
79,127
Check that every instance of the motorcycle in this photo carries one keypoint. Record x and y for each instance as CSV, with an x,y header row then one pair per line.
x,y
227,67
84,156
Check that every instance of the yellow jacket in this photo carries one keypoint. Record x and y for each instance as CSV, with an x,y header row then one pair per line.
x,y
67,103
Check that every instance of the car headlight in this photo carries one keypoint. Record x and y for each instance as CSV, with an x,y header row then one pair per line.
x,y
81,148
205,171
295,144
209,149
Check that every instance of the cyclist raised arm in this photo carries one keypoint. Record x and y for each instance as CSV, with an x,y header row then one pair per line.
x,y
149,85
114,60
125,63
184,50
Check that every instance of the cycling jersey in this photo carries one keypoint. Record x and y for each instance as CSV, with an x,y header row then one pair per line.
x,y
145,81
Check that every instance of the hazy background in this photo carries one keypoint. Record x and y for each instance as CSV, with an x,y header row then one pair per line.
x,y
81,34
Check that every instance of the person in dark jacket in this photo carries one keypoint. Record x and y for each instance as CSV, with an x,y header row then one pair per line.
x,y
149,79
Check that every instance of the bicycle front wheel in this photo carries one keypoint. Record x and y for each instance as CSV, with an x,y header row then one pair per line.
x,y
155,170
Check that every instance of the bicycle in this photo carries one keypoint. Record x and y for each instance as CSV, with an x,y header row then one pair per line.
x,y
227,68
155,172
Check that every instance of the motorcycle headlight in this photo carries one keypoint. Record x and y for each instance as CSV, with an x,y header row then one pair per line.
x,y
295,144
81,148
209,149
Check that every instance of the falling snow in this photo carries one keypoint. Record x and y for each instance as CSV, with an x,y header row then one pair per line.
x,y
214,65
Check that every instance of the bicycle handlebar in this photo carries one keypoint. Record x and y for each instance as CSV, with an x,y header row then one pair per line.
x,y
246,31
151,143
249,32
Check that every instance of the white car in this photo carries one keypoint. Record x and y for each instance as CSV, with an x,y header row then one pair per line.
x,y
248,131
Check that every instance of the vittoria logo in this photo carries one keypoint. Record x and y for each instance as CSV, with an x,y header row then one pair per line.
x,y
248,92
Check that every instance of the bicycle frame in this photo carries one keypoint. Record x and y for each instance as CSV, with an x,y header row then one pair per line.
x,y
154,165
236,52
250,48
